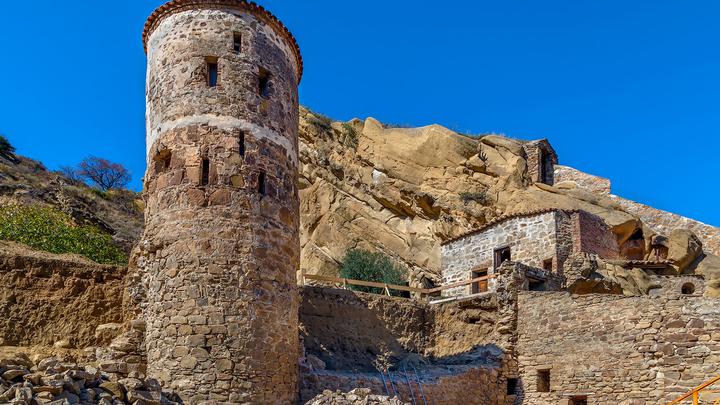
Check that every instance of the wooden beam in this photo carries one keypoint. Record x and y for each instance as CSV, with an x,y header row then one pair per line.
x,y
346,281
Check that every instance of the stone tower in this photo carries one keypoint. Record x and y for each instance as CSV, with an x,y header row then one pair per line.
x,y
220,251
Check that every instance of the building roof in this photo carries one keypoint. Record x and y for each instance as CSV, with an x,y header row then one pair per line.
x,y
504,218
258,11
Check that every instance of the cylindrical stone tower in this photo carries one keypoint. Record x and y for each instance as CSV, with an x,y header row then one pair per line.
x,y
221,248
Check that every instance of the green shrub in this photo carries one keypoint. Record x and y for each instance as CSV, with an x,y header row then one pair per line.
x,y
480,197
350,136
367,266
5,146
47,229
319,121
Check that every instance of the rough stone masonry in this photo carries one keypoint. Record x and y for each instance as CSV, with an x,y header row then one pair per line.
x,y
221,248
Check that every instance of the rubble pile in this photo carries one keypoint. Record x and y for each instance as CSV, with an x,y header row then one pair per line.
x,y
61,381
358,396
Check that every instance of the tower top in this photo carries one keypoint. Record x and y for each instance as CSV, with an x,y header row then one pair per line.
x,y
250,7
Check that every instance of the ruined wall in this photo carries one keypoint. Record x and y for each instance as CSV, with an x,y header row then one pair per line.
x,y
593,236
541,159
46,298
532,239
661,221
616,350
665,222
587,181
356,331
221,244
452,346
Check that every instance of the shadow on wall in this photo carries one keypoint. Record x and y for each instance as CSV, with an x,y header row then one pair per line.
x,y
357,332
366,334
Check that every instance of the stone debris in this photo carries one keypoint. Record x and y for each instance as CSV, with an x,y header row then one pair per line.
x,y
60,381
358,396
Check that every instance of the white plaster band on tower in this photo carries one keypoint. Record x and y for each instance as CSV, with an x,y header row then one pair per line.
x,y
223,123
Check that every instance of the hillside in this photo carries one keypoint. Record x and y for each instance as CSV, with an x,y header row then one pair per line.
x,y
117,213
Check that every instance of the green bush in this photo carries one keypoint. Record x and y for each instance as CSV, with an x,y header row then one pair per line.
x,y
367,266
319,121
5,146
44,228
480,197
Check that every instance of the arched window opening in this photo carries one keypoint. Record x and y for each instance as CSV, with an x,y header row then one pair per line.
x,y
688,289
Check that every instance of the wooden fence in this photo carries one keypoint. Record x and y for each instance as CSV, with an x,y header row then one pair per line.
x,y
345,282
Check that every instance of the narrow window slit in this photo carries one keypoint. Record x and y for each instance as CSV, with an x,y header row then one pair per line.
x,y
237,42
264,82
261,184
205,172
241,143
213,73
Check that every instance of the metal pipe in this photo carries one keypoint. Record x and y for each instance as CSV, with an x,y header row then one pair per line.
x,y
417,378
407,380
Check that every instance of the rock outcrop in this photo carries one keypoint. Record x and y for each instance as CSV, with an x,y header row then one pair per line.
x,y
402,191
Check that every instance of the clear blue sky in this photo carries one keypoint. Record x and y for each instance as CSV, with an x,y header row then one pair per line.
x,y
628,90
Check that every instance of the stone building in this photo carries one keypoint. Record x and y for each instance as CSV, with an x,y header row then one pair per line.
x,y
541,161
221,248
540,239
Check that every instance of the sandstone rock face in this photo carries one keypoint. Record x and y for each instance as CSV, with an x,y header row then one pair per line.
x,y
400,191
48,299
220,250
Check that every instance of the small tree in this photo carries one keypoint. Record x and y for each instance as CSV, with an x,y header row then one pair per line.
x,y
367,266
104,174
70,173
5,146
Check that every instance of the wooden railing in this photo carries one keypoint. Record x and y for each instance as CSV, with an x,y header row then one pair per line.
x,y
695,393
345,282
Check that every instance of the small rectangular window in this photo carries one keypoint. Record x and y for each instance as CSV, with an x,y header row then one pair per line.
x,y
213,74
502,255
237,42
261,184
548,265
241,143
264,83
511,386
543,381
479,286
205,172
579,400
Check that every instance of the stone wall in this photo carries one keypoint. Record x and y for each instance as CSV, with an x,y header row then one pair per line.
x,y
587,181
665,222
458,348
359,332
661,221
541,159
47,299
593,236
221,245
614,349
532,239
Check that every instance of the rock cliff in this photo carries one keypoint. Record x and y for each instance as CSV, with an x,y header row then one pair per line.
x,y
402,191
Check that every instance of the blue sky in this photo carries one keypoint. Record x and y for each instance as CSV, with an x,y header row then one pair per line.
x,y
628,90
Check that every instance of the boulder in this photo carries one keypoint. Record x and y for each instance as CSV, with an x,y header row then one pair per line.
x,y
684,247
